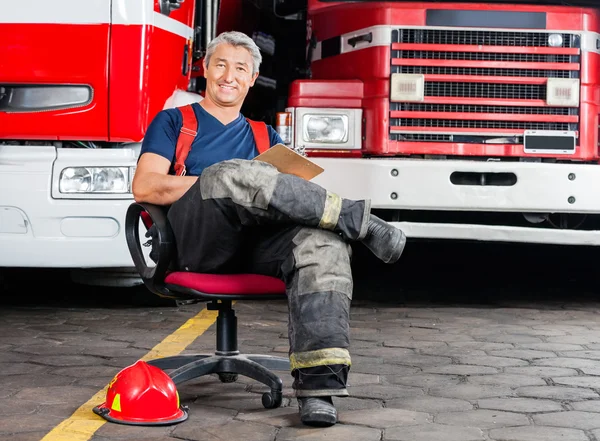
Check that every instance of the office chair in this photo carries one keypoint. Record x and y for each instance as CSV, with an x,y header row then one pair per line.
x,y
219,291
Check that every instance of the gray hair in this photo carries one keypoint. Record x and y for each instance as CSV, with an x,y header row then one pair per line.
x,y
236,39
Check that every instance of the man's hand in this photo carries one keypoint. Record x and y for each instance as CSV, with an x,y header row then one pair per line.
x,y
152,182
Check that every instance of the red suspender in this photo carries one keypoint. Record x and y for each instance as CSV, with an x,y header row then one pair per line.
x,y
261,135
188,132
189,129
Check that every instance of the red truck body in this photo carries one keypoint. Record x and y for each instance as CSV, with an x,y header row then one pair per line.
x,y
461,120
130,58
79,84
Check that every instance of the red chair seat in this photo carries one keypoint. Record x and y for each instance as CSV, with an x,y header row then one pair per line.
x,y
235,284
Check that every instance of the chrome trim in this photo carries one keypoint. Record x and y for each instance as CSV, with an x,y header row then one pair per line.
x,y
429,132
590,41
29,98
354,141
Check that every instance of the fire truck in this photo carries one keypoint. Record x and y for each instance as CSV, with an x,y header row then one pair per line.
x,y
474,121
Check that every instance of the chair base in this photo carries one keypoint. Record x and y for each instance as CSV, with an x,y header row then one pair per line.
x,y
255,366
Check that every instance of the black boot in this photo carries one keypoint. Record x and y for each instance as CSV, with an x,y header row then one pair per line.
x,y
384,240
317,411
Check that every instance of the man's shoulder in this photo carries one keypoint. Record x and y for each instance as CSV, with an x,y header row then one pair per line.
x,y
172,114
162,132
165,120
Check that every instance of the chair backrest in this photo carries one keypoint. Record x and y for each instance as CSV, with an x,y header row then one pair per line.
x,y
153,216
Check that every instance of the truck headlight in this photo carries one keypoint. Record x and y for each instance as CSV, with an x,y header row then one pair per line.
x,y
562,92
327,128
330,129
555,40
95,180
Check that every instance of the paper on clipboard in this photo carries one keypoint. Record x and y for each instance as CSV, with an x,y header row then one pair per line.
x,y
288,161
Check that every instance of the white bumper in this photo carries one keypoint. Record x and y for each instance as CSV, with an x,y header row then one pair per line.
x,y
426,185
37,230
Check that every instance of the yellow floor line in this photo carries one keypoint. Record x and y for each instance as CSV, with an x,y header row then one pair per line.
x,y
82,425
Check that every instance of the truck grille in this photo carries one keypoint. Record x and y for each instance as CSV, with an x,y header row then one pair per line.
x,y
531,58
482,71
480,38
460,108
486,90
470,76
416,122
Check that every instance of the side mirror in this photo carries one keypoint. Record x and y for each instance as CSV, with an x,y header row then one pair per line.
x,y
167,6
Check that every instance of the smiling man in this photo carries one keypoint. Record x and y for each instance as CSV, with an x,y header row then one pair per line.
x,y
232,214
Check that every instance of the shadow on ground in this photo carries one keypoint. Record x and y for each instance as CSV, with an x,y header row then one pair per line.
x,y
471,272
440,272
53,287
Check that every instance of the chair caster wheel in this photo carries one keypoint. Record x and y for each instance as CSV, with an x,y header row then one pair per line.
x,y
272,400
228,377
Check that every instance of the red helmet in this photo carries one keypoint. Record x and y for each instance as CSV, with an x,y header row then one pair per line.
x,y
142,394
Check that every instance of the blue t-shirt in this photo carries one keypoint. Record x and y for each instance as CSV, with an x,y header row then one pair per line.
x,y
214,142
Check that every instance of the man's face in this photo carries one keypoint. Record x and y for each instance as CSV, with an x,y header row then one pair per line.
x,y
229,75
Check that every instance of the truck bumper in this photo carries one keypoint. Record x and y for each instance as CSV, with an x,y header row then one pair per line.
x,y
37,230
475,186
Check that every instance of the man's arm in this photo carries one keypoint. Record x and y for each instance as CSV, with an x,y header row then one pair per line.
x,y
152,182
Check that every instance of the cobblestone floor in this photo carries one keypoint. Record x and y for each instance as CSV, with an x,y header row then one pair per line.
x,y
464,346
522,372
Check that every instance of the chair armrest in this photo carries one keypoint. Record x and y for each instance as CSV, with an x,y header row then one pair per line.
x,y
164,244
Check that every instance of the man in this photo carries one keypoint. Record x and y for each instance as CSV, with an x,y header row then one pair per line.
x,y
231,214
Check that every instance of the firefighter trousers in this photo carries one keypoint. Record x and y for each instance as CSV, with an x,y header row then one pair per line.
x,y
245,216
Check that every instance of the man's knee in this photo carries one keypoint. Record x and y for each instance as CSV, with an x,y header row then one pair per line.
x,y
245,182
322,259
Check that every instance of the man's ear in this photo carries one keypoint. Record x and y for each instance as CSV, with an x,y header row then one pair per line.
x,y
254,77
205,66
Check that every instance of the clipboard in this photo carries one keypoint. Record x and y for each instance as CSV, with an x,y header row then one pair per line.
x,y
288,161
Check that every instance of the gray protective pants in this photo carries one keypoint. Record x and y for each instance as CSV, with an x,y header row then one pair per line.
x,y
246,216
